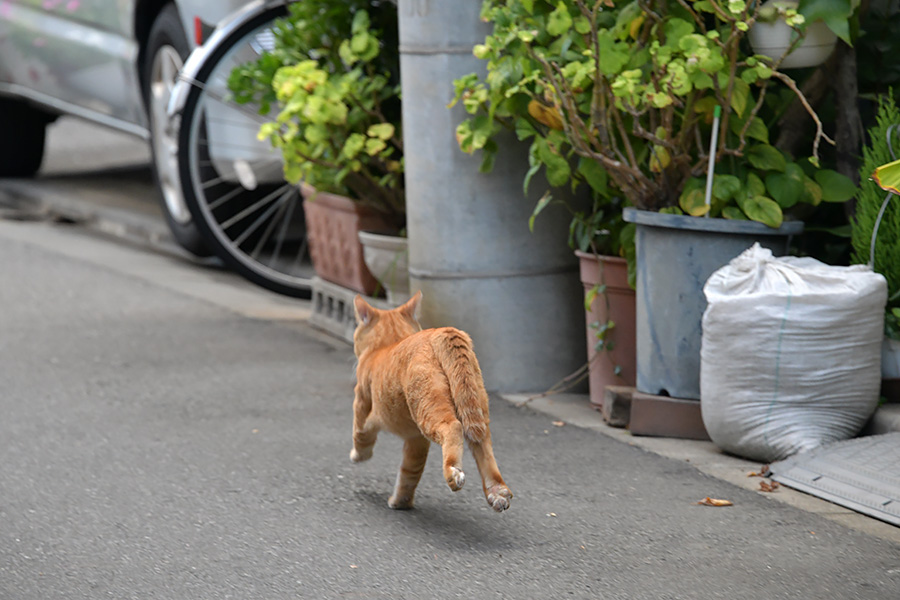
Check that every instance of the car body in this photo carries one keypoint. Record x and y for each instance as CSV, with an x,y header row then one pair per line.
x,y
85,57
113,62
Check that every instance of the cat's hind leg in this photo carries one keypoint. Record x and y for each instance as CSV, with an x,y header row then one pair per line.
x,y
449,434
415,453
364,432
429,402
495,490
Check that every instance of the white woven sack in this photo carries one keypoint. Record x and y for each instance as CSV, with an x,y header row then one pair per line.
x,y
791,353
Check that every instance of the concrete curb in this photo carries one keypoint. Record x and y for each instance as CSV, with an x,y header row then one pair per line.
x,y
146,228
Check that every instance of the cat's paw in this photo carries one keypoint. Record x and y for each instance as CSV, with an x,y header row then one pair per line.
x,y
400,502
498,496
457,479
356,456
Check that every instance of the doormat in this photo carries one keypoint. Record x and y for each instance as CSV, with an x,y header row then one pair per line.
x,y
862,474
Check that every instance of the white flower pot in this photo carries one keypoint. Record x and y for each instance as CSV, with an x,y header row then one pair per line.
x,y
773,39
890,358
387,257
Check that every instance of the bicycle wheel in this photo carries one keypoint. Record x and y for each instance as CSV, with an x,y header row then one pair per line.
x,y
233,183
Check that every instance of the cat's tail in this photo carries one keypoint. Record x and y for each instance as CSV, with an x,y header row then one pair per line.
x,y
457,358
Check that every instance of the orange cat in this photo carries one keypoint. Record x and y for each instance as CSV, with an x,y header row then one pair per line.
x,y
424,386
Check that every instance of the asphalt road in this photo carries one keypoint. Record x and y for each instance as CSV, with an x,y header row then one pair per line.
x,y
167,431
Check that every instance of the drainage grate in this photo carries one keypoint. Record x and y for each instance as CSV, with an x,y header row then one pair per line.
x,y
862,474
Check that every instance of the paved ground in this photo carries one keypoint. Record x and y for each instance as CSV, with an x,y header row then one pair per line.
x,y
161,445
171,431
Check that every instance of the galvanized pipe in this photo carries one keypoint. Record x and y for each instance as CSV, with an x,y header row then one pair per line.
x,y
515,292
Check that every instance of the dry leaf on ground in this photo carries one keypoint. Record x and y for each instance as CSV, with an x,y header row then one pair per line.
x,y
764,471
715,502
559,423
765,486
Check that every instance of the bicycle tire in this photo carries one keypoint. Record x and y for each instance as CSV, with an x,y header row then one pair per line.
x,y
258,230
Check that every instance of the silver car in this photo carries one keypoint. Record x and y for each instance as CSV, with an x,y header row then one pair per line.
x,y
113,62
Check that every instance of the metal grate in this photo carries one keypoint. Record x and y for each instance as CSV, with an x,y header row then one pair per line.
x,y
862,474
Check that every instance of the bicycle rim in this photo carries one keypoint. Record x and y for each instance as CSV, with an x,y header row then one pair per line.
x,y
233,183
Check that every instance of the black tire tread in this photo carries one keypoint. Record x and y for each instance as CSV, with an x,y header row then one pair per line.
x,y
23,131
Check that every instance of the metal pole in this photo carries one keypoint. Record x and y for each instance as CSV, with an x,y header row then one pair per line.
x,y
515,292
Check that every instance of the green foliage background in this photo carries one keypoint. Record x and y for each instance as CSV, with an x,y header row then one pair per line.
x,y
869,199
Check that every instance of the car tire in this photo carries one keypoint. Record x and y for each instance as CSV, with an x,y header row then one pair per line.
x,y
167,49
23,130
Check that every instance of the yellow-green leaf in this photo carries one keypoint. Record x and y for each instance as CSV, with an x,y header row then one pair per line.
x,y
763,210
541,205
354,145
374,146
888,176
559,20
812,192
693,202
659,158
725,187
766,158
740,96
382,131
733,213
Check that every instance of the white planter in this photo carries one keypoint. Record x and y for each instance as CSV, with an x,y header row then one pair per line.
x,y
387,257
890,358
773,39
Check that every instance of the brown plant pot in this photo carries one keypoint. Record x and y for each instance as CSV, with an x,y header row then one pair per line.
x,y
333,223
617,304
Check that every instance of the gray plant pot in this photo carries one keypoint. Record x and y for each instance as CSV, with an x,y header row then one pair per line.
x,y
676,254
515,291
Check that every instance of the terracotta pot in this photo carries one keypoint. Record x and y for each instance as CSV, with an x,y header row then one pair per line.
x,y
615,366
333,223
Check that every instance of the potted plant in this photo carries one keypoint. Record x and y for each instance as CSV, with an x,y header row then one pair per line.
x,y
333,74
875,229
657,102
602,240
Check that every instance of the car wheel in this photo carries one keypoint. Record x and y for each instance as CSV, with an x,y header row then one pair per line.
x,y
167,49
22,132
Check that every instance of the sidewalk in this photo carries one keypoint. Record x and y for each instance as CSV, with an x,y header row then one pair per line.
x,y
137,224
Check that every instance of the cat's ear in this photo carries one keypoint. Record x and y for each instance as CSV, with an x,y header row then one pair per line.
x,y
411,308
364,312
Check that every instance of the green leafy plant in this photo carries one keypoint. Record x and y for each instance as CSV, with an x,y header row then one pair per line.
x,y
880,173
621,96
333,78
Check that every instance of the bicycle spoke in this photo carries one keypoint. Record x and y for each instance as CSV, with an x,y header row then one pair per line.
x,y
226,225
283,204
284,226
239,241
218,202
